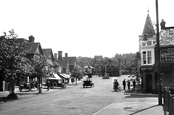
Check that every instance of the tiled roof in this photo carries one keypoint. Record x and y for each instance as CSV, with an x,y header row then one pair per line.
x,y
32,48
148,27
48,52
62,63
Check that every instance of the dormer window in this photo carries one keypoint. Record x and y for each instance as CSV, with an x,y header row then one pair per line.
x,y
148,43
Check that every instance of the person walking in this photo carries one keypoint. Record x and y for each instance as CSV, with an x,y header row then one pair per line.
x,y
124,84
134,84
128,84
48,85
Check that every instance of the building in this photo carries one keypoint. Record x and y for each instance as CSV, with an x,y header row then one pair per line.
x,y
67,63
149,57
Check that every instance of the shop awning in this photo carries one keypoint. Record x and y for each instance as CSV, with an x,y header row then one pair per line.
x,y
56,76
64,75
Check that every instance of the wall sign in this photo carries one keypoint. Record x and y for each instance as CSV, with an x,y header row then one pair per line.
x,y
167,55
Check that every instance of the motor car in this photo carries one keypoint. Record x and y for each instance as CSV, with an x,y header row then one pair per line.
x,y
87,83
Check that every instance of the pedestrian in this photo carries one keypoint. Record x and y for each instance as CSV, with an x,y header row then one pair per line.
x,y
124,84
48,85
115,85
128,84
134,84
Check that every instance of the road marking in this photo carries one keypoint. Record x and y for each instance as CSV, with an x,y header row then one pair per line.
x,y
101,109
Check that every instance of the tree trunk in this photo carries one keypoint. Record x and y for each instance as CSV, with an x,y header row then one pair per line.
x,y
40,82
12,87
12,94
76,80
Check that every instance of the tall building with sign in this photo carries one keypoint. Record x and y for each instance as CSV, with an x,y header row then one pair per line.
x,y
148,52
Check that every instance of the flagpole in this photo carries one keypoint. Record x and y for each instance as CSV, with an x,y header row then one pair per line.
x,y
158,55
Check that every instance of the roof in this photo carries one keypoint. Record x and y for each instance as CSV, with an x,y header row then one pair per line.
x,y
48,53
167,37
55,63
62,63
148,27
34,48
72,60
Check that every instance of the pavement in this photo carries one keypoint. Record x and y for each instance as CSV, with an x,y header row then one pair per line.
x,y
147,106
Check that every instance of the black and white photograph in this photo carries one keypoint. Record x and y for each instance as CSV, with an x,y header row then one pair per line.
x,y
86,57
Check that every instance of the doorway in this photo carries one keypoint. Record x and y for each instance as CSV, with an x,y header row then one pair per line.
x,y
148,83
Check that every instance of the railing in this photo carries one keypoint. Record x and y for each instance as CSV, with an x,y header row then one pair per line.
x,y
168,96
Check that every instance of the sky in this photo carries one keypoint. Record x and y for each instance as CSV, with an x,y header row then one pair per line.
x,y
83,27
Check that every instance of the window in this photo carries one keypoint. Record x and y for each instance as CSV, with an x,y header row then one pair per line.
x,y
143,44
147,57
149,43
144,57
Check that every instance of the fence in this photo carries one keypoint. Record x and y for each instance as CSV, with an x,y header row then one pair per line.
x,y
168,96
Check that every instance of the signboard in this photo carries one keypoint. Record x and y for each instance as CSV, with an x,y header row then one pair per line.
x,y
167,55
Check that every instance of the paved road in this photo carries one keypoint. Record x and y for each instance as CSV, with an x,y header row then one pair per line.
x,y
74,100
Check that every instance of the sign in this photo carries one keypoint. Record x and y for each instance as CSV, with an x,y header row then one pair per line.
x,y
167,55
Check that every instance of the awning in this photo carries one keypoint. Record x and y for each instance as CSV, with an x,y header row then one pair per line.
x,y
56,76
64,75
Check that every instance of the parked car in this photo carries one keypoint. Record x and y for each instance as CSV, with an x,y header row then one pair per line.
x,y
28,85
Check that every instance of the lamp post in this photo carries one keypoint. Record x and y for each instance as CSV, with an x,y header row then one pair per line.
x,y
158,60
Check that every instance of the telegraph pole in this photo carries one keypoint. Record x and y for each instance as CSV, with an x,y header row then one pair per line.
x,y
158,56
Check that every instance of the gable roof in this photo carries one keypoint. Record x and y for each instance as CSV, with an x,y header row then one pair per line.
x,y
48,53
34,48
72,60
148,27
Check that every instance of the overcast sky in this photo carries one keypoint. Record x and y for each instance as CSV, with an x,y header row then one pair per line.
x,y
83,27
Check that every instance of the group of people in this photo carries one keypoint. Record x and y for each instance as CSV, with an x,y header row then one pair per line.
x,y
124,83
128,84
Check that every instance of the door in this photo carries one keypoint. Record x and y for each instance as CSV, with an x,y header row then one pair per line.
x,y
148,83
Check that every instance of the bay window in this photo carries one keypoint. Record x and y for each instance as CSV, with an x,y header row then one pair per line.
x,y
147,57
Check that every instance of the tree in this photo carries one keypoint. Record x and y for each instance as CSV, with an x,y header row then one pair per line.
x,y
41,68
12,58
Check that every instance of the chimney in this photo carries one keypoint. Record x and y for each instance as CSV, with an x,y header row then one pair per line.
x,y
66,55
55,56
31,38
60,55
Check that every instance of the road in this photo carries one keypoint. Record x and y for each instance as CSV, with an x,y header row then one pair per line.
x,y
74,100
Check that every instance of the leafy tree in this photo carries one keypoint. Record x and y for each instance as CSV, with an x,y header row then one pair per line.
x,y
41,68
12,59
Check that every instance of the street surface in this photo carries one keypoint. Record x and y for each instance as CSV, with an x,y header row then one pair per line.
x,y
75,100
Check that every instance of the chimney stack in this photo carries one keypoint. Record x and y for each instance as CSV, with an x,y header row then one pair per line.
x,y
55,56
60,55
66,55
31,38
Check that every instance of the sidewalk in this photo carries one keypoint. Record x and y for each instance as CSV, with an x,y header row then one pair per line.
x,y
147,106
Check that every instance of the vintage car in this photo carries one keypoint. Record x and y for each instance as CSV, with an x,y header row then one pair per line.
x,y
28,86
54,82
87,83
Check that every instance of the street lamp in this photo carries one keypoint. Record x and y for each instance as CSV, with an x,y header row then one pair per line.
x,y
158,60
